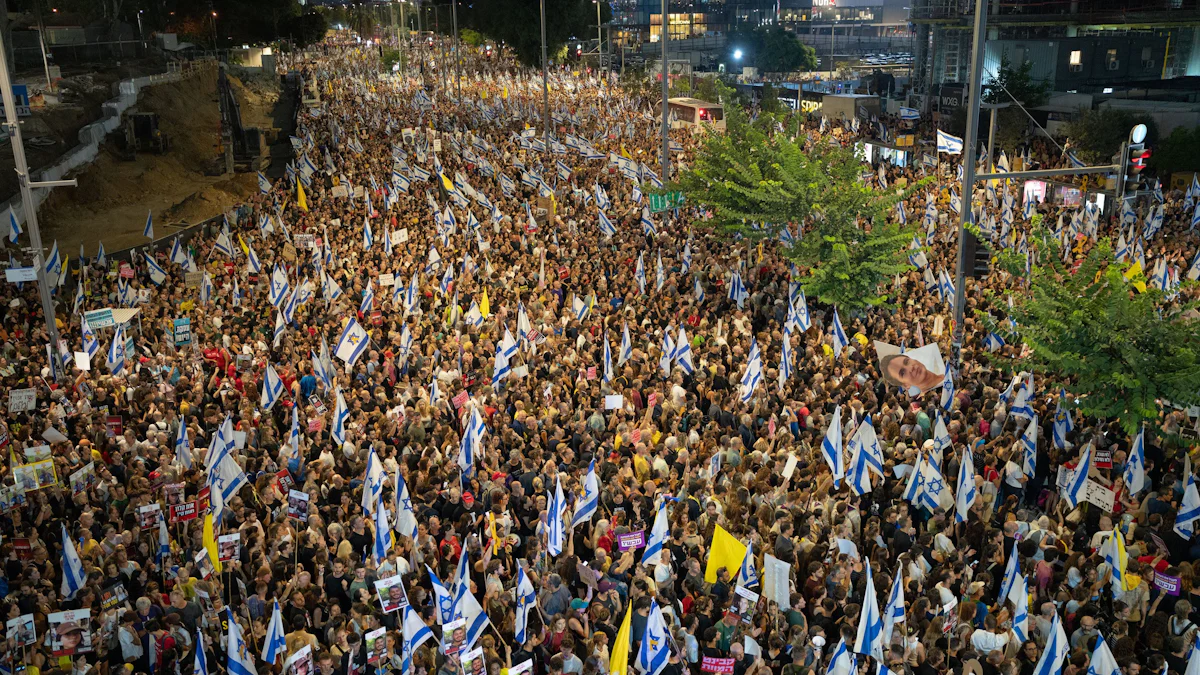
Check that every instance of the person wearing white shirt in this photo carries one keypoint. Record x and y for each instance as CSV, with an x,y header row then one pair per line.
x,y
989,638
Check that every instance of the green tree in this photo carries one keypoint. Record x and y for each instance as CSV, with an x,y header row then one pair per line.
x,y
1121,353
1096,135
753,175
773,50
1179,152
1010,83
517,23
305,29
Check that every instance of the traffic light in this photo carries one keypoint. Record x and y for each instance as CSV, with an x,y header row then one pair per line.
x,y
1138,157
978,257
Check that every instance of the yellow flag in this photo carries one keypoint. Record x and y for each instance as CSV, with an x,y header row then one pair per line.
x,y
506,93
245,248
492,533
300,200
210,543
618,662
446,183
624,152
725,552
1132,274
485,308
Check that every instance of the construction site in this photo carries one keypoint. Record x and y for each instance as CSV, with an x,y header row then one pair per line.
x,y
167,154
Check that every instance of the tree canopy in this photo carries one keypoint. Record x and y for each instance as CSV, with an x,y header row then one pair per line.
x,y
757,180
1123,354
1179,152
517,23
1096,135
772,49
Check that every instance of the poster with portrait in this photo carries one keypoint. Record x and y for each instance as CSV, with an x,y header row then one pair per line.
x,y
70,632
21,631
204,565
376,642
300,663
82,479
298,505
916,371
472,662
148,515
25,477
454,637
391,593
229,546
113,595
46,476
173,494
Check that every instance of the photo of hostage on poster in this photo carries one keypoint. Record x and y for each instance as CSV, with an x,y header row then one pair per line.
x,y
916,371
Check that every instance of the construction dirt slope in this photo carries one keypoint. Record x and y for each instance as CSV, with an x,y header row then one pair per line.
x,y
114,195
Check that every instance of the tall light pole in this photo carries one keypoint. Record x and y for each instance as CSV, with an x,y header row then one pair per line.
x,y
545,83
974,95
832,37
457,64
599,38
666,91
28,205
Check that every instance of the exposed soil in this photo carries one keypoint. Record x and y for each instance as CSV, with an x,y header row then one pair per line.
x,y
114,194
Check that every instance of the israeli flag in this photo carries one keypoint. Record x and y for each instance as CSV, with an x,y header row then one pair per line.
x,y
341,413
1056,650
947,401
683,352
870,623
668,353
754,372
965,493
1020,598
843,662
1135,465
556,530
993,342
200,664
116,352
183,445
1029,448
839,335
14,228
277,294
272,388
264,185
383,532
352,343
909,114
951,145
626,346
526,602
73,574
157,274
831,448
586,503
686,258
737,290
640,273
698,290
659,277
368,301
655,648
1077,484
608,364
648,227
659,532
894,612
785,362
415,633
1189,510
148,231
274,646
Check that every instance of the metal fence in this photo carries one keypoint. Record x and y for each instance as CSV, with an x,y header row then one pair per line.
x,y
76,54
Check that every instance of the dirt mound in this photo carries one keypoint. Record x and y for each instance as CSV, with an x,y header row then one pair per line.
x,y
114,195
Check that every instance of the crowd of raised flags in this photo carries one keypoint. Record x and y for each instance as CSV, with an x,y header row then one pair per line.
x,y
922,496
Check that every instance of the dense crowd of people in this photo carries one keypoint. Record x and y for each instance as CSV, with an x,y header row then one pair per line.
x,y
545,452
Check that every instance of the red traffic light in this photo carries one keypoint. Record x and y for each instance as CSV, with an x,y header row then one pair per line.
x,y
1140,160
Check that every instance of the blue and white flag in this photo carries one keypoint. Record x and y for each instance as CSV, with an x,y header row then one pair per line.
x,y
445,601
843,661
200,663
753,374
831,448
526,602
587,503
1189,509
556,529
1056,650
840,341
737,290
148,231
341,413
1020,598
747,575
1135,464
73,574
951,145
406,517
383,533
14,228
655,646
909,114
1029,448
352,343
965,492
240,661
274,645
659,532
272,388
698,290
116,351
785,361
1077,484
415,633
372,482
1103,662
894,612
626,346
368,239
608,374
683,352
870,623
264,185
639,273
606,226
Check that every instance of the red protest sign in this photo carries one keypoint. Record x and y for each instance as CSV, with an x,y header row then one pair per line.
x,y
460,399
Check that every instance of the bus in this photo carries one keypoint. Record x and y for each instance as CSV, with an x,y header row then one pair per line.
x,y
692,112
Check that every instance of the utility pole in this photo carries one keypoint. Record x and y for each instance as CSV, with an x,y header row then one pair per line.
x,y
974,95
545,83
29,206
599,39
666,92
457,62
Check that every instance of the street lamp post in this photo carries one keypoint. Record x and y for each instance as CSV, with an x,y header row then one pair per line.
x,y
666,90
599,38
457,63
545,83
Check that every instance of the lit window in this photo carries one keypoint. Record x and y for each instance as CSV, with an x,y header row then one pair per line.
x,y
1077,58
